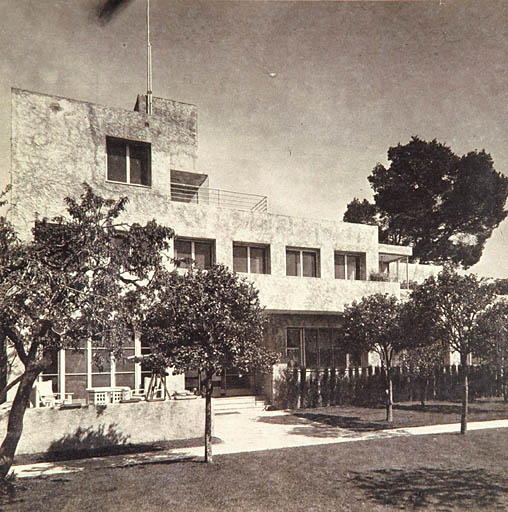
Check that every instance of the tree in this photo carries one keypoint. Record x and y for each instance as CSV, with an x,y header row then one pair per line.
x,y
206,320
444,205
423,362
66,286
447,309
492,331
373,325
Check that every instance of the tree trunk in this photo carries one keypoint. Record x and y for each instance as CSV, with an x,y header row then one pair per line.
x,y
465,395
389,396
4,367
424,385
15,424
208,416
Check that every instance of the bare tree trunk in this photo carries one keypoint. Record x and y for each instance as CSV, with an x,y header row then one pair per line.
x,y
465,394
389,396
424,385
208,416
4,367
15,424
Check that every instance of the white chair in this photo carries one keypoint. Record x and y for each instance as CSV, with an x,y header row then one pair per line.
x,y
45,396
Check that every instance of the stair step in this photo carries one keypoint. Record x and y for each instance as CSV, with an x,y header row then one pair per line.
x,y
233,403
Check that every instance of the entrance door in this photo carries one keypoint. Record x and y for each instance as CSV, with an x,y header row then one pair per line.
x,y
235,383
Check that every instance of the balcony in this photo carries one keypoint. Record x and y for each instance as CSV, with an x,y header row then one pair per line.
x,y
186,193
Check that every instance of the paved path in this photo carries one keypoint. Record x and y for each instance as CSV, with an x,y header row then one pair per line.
x,y
248,432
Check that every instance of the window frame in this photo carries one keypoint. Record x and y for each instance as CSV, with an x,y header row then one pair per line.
x,y
266,257
361,265
128,144
300,263
193,242
334,351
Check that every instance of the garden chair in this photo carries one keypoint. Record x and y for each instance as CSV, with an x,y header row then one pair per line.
x,y
45,396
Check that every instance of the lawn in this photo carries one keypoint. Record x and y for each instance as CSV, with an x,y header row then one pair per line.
x,y
405,414
440,472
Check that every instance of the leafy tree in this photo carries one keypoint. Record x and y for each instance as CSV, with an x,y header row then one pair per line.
x,y
492,330
423,362
501,286
374,325
206,320
444,205
66,286
447,308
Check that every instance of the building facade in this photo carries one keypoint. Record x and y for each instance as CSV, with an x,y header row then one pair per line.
x,y
306,270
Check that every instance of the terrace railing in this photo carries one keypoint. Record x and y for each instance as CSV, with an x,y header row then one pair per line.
x,y
184,193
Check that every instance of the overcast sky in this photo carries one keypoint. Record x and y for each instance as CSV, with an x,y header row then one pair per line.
x,y
297,100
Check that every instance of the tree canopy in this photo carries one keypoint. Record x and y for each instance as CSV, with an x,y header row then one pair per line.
x,y
374,325
206,320
444,205
67,285
447,309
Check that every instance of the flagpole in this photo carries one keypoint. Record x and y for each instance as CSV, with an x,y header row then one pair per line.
x,y
149,62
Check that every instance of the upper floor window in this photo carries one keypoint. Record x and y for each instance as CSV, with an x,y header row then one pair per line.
x,y
129,161
302,262
254,259
197,253
349,266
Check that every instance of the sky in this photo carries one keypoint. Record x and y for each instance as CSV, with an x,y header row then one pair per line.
x,y
296,100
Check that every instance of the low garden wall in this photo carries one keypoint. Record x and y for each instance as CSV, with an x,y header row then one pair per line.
x,y
47,430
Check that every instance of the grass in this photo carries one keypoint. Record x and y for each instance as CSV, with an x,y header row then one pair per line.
x,y
441,473
408,414
432,472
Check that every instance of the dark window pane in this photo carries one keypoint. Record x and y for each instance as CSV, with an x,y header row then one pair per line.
x,y
116,150
183,251
292,263
340,266
293,338
101,361
258,260
126,379
76,384
139,157
352,262
203,254
123,364
309,264
100,381
75,361
239,258
325,348
53,368
311,348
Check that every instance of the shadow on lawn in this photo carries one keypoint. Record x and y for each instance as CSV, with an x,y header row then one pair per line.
x,y
325,425
458,489
448,409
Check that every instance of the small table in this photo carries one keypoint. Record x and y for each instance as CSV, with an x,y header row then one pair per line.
x,y
108,395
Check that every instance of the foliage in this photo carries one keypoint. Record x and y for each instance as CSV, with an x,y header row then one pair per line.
x,y
373,325
447,309
68,285
492,329
444,205
423,362
206,320
501,286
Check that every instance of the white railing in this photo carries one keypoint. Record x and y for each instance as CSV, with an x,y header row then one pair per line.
x,y
183,193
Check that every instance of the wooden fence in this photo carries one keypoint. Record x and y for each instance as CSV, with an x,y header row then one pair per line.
x,y
304,387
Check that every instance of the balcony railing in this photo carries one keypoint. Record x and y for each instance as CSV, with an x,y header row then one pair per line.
x,y
183,193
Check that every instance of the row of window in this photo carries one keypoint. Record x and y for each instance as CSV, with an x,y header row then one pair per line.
x,y
255,259
317,348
